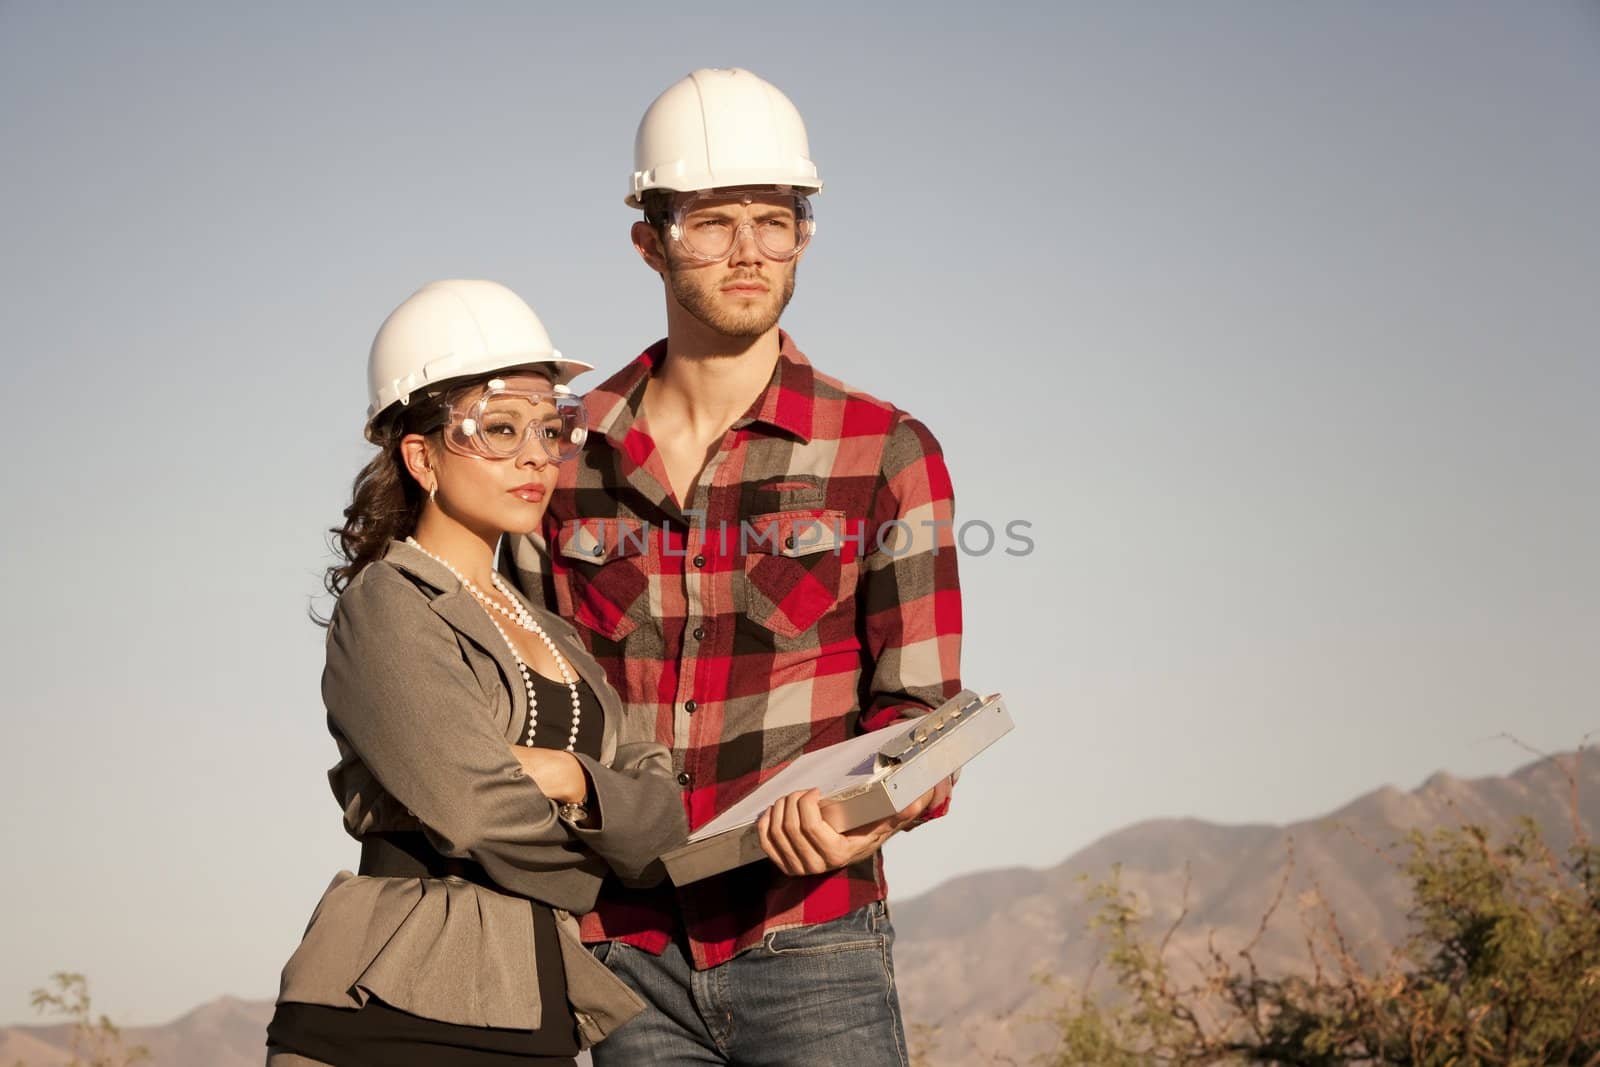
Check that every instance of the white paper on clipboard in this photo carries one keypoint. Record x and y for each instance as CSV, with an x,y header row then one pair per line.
x,y
861,780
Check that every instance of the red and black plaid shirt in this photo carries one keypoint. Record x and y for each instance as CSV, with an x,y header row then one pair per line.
x,y
806,593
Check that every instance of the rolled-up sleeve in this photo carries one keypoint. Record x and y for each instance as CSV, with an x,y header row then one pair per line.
x,y
912,588
400,695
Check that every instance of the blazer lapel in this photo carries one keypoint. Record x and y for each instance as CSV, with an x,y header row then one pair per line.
x,y
466,616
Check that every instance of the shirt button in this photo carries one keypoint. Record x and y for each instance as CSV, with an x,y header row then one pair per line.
x,y
788,542
699,633
690,706
598,551
699,561
683,779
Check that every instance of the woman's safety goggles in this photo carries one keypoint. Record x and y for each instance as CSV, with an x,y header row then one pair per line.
x,y
708,224
498,423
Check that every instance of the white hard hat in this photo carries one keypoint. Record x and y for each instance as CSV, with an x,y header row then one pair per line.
x,y
718,128
454,329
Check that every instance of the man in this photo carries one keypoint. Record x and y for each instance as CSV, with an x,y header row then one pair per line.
x,y
763,561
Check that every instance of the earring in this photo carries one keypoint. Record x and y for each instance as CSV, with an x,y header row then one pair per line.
x,y
433,492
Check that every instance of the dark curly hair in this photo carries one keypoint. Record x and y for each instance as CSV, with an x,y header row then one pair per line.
x,y
385,501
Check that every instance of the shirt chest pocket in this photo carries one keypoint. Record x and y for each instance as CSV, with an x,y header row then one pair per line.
x,y
609,586
798,567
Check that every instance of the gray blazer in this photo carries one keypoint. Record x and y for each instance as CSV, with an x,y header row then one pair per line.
x,y
419,704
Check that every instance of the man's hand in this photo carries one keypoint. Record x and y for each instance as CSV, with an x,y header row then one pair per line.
x,y
558,774
796,835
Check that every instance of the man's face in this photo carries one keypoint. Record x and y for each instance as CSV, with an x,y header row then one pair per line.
x,y
743,293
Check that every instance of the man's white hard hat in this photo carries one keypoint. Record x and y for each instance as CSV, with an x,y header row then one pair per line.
x,y
719,128
456,329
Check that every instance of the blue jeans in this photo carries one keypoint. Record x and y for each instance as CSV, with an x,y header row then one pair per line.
x,y
805,996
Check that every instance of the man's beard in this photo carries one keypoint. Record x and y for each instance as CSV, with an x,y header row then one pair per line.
x,y
747,323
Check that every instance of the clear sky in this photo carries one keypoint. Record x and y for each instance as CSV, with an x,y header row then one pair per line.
x,y
1278,322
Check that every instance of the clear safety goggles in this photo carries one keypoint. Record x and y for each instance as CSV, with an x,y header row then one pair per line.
x,y
498,423
707,225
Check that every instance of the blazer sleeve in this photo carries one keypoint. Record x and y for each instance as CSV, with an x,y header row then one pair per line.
x,y
640,812
398,691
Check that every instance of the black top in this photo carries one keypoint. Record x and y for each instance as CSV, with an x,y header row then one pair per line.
x,y
378,1035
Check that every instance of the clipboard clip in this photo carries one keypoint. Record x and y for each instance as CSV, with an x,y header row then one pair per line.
x,y
930,728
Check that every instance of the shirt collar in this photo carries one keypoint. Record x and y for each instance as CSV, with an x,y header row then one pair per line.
x,y
785,404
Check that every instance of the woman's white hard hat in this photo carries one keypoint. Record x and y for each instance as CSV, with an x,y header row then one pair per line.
x,y
457,329
720,128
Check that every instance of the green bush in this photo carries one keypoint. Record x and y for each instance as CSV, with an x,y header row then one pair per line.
x,y
1502,967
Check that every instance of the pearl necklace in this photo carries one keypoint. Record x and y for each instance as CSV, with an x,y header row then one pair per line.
x,y
523,618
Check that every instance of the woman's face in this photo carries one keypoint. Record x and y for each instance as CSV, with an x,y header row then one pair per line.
x,y
491,494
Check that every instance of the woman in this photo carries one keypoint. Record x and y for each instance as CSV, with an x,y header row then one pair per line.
x,y
481,759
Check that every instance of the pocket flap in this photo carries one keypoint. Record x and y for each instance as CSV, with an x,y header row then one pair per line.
x,y
602,540
796,533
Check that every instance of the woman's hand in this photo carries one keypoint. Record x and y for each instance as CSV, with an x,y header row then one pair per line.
x,y
558,774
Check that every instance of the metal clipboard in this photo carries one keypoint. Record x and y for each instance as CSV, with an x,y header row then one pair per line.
x,y
861,780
